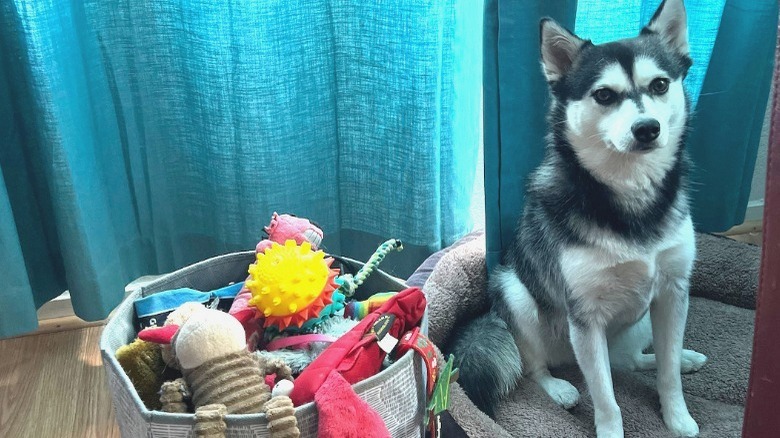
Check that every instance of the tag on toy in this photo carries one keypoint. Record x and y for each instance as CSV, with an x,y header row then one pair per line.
x,y
388,343
381,329
382,325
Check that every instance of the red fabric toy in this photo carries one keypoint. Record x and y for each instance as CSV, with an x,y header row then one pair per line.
x,y
356,355
342,414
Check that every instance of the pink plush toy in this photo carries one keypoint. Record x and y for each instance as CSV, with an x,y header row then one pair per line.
x,y
286,227
283,227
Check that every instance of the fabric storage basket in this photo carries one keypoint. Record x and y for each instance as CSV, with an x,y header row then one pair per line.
x,y
397,393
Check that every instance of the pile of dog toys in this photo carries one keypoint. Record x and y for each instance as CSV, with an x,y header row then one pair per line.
x,y
290,334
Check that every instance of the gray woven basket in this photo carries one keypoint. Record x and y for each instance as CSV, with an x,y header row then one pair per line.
x,y
397,393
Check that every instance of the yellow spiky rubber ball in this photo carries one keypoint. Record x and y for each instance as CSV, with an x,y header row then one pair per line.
x,y
291,284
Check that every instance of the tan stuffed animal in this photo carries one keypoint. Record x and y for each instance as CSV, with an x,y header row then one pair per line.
x,y
210,347
178,317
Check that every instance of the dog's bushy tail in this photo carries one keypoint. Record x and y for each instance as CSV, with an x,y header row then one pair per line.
x,y
488,359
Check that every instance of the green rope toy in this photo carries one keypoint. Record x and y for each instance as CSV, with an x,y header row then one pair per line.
x,y
350,283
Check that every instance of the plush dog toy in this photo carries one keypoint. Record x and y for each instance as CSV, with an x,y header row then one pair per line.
x,y
218,369
216,365
177,318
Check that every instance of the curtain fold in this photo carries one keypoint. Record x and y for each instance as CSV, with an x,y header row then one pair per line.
x,y
144,136
730,113
515,101
731,43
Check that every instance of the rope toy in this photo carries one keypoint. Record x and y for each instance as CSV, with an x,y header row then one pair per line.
x,y
350,283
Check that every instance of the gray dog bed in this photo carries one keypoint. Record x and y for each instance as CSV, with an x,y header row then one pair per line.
x,y
720,325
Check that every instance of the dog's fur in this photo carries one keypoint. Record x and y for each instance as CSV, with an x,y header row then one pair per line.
x,y
600,264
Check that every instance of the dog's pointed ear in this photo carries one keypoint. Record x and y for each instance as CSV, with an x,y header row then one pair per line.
x,y
670,22
559,49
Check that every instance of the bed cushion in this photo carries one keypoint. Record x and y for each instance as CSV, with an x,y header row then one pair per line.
x,y
720,325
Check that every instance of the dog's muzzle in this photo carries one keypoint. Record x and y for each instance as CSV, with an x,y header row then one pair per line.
x,y
645,132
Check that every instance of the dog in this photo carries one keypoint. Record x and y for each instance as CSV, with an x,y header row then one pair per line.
x,y
599,267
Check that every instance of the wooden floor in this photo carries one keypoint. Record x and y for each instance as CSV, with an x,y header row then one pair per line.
x,y
53,385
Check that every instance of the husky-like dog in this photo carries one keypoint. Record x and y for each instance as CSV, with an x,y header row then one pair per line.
x,y
600,263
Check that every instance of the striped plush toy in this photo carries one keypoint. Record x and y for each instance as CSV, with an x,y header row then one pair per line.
x,y
221,375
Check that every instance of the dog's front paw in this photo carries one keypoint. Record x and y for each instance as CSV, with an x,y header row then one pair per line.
x,y
609,431
561,391
609,424
691,361
682,424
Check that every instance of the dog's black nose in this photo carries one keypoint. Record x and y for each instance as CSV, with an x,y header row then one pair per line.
x,y
646,130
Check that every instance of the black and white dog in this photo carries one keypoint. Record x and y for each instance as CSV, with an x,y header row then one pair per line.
x,y
600,264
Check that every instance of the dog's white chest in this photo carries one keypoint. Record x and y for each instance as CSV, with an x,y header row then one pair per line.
x,y
614,283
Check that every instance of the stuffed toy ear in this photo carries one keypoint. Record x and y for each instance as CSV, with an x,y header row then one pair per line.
x,y
159,335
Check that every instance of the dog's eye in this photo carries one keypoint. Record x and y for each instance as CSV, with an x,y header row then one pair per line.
x,y
604,96
659,86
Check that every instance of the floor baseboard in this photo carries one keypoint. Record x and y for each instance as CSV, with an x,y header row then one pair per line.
x,y
57,315
746,227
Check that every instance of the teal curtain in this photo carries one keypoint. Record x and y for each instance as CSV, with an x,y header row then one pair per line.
x,y
732,45
140,136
